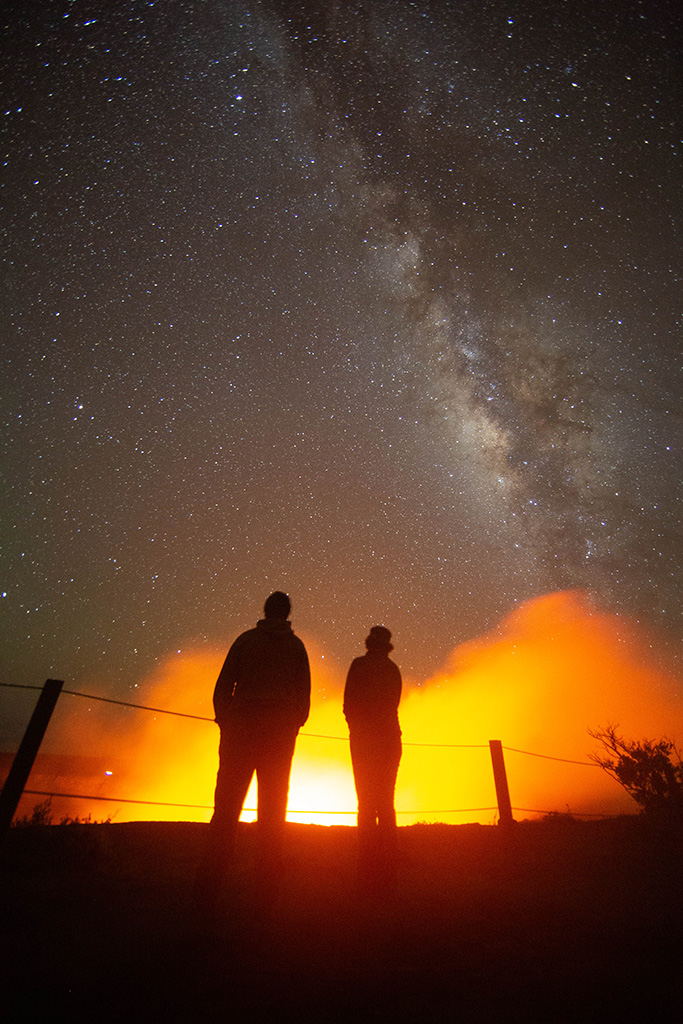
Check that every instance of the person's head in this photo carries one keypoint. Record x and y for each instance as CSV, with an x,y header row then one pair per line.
x,y
277,606
378,640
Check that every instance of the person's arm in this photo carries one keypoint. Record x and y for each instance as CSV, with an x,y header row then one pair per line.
x,y
398,685
351,691
305,687
222,694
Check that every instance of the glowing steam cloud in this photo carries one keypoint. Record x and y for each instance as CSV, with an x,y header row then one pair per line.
x,y
555,668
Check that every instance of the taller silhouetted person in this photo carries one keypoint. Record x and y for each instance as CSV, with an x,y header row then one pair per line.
x,y
371,699
261,700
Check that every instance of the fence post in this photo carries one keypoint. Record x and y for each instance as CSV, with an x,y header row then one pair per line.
x,y
26,754
501,780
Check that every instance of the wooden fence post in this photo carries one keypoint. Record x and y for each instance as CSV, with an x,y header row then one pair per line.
x,y
501,780
26,754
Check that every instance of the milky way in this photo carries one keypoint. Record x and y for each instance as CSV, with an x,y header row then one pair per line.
x,y
371,302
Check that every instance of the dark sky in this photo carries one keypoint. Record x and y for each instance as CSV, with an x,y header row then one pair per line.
x,y
376,303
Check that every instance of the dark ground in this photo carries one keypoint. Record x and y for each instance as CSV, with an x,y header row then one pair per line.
x,y
553,921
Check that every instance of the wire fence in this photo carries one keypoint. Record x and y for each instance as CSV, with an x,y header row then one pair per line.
x,y
324,736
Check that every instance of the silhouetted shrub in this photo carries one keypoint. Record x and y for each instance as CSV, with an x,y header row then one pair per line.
x,y
42,815
650,771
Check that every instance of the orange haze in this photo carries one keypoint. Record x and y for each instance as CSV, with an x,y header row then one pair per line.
x,y
554,669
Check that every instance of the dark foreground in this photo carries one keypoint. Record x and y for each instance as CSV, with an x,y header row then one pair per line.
x,y
556,921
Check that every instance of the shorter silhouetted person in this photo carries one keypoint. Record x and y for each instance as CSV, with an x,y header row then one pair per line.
x,y
371,698
261,700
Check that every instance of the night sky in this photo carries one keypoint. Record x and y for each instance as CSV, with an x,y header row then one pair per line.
x,y
372,302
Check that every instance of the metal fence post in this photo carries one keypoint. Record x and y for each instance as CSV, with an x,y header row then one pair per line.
x,y
26,754
500,778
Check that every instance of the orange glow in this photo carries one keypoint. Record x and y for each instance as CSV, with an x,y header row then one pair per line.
x,y
554,669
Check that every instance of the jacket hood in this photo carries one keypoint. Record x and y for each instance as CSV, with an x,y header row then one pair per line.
x,y
275,625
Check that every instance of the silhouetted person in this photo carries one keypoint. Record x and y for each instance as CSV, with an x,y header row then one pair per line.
x,y
371,698
261,700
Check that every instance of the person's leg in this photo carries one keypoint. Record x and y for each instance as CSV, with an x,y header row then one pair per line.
x,y
273,769
386,774
387,832
236,767
363,762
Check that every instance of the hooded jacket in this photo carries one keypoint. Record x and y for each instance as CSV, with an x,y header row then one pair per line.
x,y
372,695
265,675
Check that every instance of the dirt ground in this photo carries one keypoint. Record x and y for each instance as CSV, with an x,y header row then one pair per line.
x,y
551,921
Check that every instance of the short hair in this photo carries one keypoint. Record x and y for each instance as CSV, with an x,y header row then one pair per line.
x,y
277,606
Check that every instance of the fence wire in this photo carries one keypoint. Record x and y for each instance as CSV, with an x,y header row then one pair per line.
x,y
313,735
209,807
204,718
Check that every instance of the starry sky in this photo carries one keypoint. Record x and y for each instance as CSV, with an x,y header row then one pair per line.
x,y
373,302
